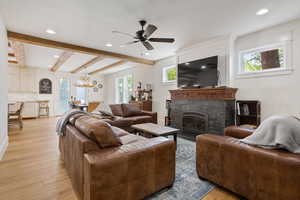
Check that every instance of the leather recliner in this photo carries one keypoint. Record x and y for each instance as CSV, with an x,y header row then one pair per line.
x,y
252,172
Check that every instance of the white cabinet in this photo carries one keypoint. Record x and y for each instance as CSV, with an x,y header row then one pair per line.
x,y
13,81
30,110
27,80
21,80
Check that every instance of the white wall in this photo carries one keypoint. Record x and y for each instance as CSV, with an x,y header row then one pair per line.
x,y
3,89
278,94
54,77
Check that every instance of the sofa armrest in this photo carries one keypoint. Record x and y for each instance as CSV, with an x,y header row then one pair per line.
x,y
152,114
237,132
131,171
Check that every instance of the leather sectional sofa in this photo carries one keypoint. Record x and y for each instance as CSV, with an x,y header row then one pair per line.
x,y
252,172
126,115
132,170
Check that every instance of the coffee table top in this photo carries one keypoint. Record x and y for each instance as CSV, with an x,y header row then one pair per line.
x,y
155,129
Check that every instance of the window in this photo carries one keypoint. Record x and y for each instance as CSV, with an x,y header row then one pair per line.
x,y
81,94
124,89
264,59
169,74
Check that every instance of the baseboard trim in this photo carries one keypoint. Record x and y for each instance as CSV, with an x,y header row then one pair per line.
x,y
3,146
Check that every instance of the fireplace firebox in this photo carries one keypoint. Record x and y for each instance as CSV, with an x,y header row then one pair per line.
x,y
199,111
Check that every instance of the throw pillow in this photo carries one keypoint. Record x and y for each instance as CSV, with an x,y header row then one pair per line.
x,y
98,131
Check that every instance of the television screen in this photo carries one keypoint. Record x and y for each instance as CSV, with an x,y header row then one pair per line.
x,y
198,73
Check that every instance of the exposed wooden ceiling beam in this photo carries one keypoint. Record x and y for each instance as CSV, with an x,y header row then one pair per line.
x,y
11,55
61,60
12,61
19,51
121,62
88,64
70,47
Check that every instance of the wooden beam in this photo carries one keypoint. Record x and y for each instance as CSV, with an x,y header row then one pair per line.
x,y
61,60
12,61
88,64
121,62
11,55
19,51
70,47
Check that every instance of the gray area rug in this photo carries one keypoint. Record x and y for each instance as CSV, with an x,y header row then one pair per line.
x,y
187,185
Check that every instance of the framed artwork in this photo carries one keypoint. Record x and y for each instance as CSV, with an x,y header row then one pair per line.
x,y
45,86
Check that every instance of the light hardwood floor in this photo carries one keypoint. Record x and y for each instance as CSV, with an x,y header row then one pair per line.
x,y
32,170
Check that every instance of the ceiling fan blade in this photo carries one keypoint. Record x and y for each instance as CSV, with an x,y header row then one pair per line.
x,y
168,40
122,33
148,45
129,43
149,30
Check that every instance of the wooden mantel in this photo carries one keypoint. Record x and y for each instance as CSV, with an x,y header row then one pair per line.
x,y
204,94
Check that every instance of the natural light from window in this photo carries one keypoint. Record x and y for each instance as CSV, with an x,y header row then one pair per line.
x,y
169,74
124,89
263,59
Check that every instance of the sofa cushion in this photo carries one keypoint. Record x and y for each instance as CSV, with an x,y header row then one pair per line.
x,y
130,138
132,109
116,109
119,122
98,131
119,132
140,119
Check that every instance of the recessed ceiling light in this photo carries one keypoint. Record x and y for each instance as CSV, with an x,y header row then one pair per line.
x,y
50,31
56,56
147,53
263,11
122,45
108,45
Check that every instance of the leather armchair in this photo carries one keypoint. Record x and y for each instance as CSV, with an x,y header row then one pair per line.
x,y
252,172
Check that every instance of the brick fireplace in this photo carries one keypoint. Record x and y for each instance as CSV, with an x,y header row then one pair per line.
x,y
198,111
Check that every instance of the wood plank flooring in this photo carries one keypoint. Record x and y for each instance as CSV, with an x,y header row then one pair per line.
x,y
32,170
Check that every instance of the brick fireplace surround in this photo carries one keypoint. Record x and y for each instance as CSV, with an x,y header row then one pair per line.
x,y
198,111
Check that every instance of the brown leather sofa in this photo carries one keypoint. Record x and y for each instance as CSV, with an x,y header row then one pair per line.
x,y
137,168
252,172
127,115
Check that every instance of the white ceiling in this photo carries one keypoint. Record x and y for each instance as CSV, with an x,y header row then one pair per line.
x,y
90,23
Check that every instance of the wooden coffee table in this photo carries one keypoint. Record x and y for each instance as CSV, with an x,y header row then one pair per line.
x,y
156,130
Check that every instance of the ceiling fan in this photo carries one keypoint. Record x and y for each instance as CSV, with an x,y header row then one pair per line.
x,y
143,36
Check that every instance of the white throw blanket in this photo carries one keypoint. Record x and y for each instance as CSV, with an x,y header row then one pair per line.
x,y
62,122
277,132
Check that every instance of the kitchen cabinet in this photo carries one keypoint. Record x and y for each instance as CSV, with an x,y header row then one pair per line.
x,y
30,109
13,81
21,80
27,80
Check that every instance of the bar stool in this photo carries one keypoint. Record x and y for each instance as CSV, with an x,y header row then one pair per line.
x,y
43,109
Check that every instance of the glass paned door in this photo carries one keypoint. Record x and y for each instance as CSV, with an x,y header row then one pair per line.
x,y
124,89
64,95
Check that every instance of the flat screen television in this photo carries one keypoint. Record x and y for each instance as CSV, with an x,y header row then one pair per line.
x,y
199,73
